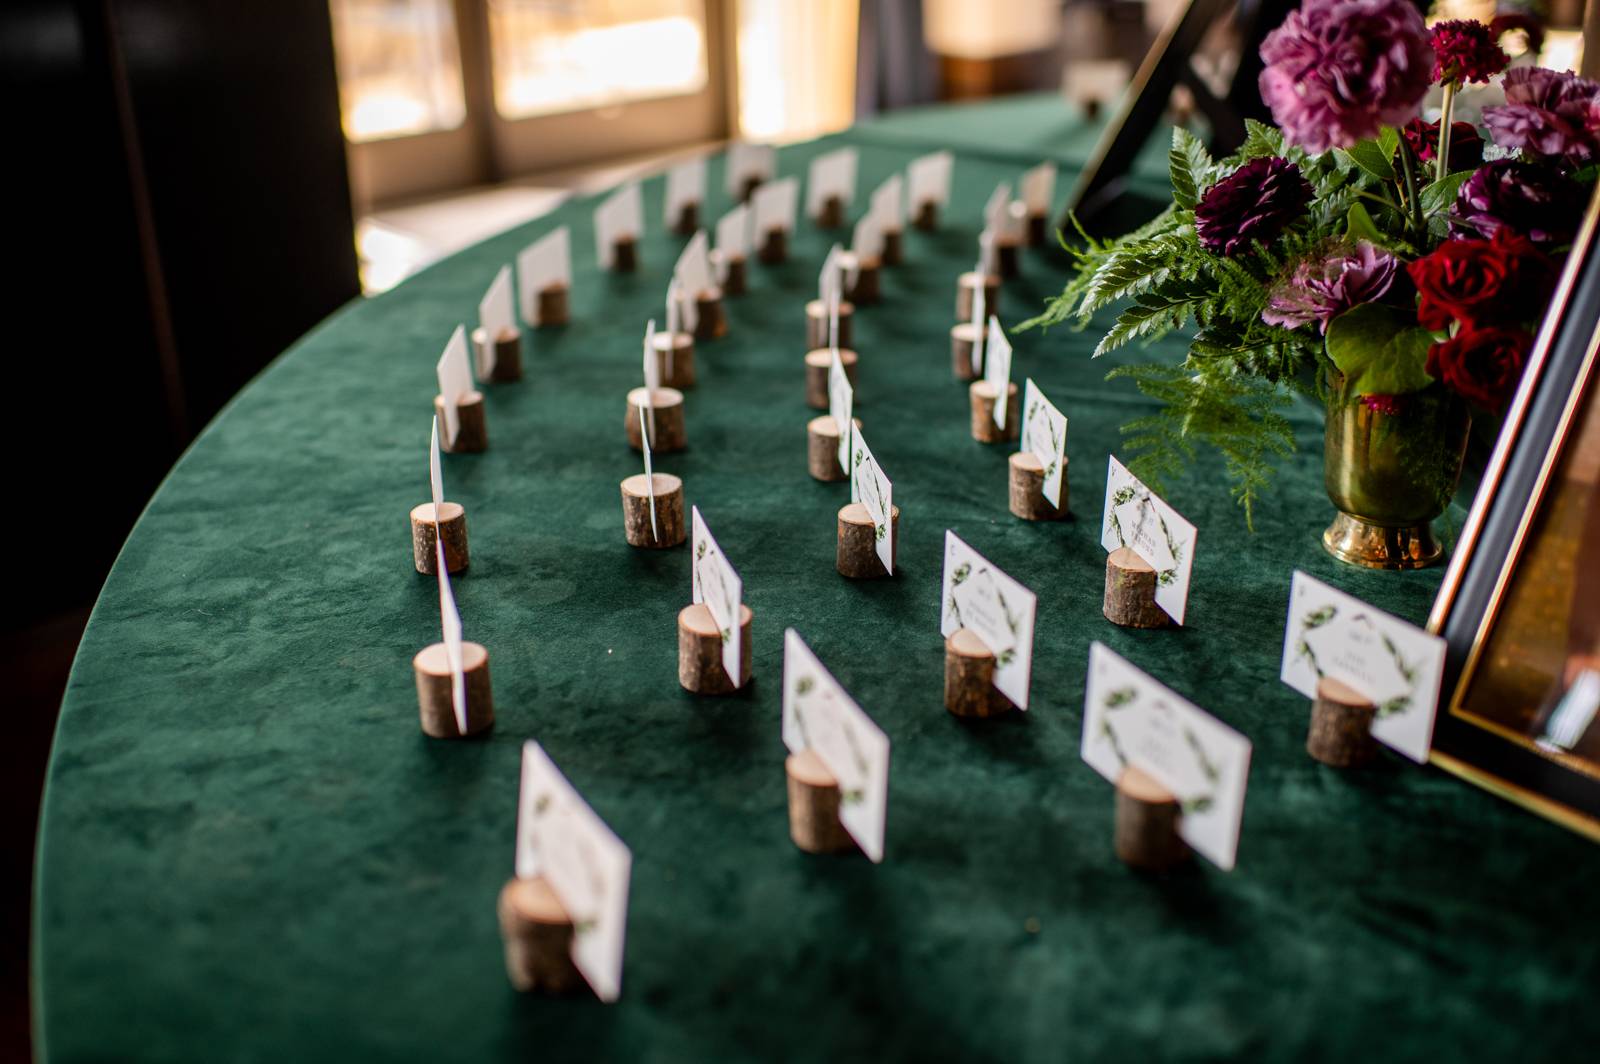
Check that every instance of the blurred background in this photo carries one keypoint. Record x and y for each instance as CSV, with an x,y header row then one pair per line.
x,y
197,183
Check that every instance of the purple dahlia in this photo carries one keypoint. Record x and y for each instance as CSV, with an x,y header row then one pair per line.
x,y
1321,289
1548,113
1337,70
1255,202
1535,201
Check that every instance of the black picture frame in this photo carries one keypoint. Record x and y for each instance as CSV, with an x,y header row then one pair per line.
x,y
1561,383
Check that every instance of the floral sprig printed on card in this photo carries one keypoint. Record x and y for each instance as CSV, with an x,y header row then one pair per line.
x,y
957,578
1310,623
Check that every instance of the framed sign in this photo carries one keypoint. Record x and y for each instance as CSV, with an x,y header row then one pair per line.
x,y
1519,608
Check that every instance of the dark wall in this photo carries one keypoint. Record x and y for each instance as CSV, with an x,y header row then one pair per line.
x,y
181,214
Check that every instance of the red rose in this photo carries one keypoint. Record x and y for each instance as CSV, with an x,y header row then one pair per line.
x,y
1502,280
1482,364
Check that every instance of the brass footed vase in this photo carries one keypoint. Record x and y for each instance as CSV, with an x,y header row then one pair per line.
x,y
1391,474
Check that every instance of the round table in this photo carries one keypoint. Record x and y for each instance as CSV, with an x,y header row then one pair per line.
x,y
249,851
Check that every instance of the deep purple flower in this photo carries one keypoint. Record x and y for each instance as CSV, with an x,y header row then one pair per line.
x,y
1465,50
1254,202
1466,144
1337,70
1535,201
1321,289
1548,113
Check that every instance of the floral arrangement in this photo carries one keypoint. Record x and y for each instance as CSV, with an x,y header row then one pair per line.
x,y
1353,250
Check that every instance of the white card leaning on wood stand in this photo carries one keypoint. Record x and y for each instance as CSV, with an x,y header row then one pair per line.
x,y
872,489
686,184
495,317
831,175
773,205
1038,188
560,838
692,272
841,400
997,208
715,583
979,597
866,242
1137,517
746,161
1130,719
928,179
449,617
545,262
621,215
1044,435
819,715
888,204
1396,666
455,381
997,369
733,239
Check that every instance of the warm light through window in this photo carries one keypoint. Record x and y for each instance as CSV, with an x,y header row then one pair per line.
x,y
399,67
552,56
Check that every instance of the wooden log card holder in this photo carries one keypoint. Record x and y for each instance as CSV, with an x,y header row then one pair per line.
x,y
832,214
964,340
822,448
1341,726
1008,256
700,666
1130,598
688,219
1147,820
814,797
472,425
866,288
1026,489
451,526
967,286
553,305
671,433
969,689
538,936
733,273
507,354
668,528
774,246
926,215
818,365
857,553
434,697
625,255
817,324
711,321
983,396
674,359
893,247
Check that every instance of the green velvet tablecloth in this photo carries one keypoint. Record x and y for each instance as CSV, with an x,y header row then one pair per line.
x,y
250,852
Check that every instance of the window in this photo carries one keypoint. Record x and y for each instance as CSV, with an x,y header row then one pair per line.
x,y
399,67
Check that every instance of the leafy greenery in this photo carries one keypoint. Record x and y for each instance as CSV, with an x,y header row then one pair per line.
x,y
1381,350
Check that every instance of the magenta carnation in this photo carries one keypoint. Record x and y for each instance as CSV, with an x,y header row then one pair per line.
x,y
1321,289
1337,70
1253,203
1548,113
1465,50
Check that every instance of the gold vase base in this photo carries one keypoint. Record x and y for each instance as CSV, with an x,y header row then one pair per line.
x,y
1350,539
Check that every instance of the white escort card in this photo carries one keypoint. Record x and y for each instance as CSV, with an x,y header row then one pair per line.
x,y
715,583
560,838
928,179
988,257
1396,666
1130,719
888,204
1044,435
1038,188
746,161
693,268
832,175
841,398
996,210
870,488
774,206
819,715
620,216
733,239
455,382
686,184
1137,517
997,368
828,278
545,262
495,317
449,617
980,299
980,598
647,431
866,242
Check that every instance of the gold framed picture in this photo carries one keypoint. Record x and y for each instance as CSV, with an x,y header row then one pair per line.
x,y
1519,608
